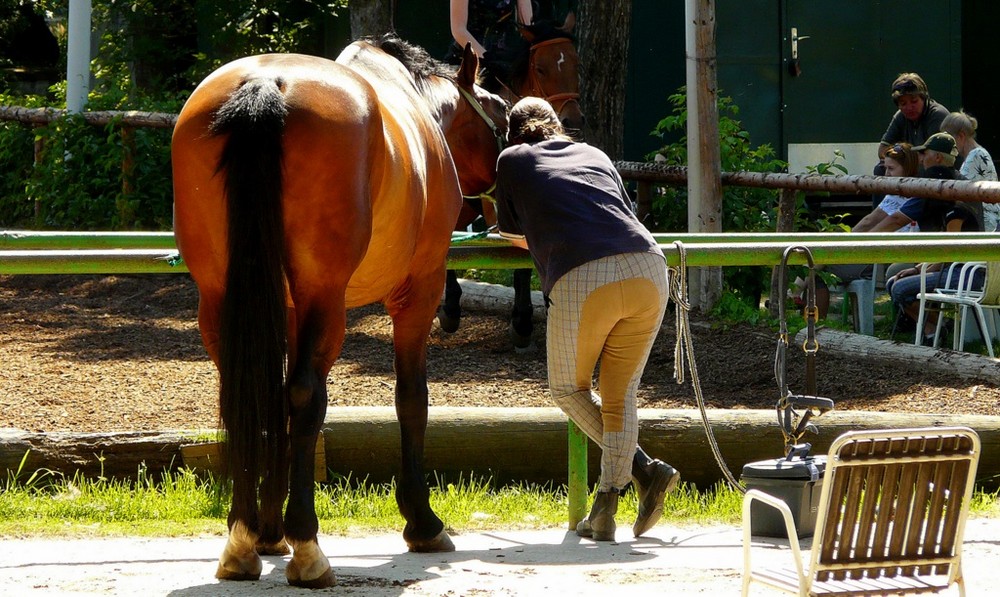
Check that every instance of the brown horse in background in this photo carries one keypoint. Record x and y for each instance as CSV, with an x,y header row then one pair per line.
x,y
304,187
547,67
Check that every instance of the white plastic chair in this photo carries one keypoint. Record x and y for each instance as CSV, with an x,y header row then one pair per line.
x,y
962,298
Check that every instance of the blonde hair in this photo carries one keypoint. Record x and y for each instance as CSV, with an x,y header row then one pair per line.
x,y
960,122
532,119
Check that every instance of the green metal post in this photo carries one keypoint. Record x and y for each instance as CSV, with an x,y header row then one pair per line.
x,y
578,489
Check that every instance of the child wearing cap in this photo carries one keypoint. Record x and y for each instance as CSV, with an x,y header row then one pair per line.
x,y
938,156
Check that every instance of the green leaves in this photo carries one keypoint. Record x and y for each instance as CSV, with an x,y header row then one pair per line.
x,y
744,209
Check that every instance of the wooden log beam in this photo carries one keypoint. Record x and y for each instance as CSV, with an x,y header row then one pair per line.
x,y
951,190
136,118
964,365
505,444
114,455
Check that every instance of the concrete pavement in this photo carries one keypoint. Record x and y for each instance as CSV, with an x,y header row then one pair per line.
x,y
671,561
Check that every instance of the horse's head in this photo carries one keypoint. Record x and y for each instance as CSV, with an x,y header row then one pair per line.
x,y
473,120
480,122
552,73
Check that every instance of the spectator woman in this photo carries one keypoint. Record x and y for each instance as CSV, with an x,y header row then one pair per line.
x,y
917,117
605,284
977,164
889,216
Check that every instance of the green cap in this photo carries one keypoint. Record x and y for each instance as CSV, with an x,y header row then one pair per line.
x,y
940,142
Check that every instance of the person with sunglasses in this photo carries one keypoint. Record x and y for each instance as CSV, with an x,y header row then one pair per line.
x,y
917,117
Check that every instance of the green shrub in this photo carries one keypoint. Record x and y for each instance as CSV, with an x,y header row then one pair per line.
x,y
744,209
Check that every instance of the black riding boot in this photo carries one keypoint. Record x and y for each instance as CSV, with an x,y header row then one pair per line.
x,y
653,479
601,523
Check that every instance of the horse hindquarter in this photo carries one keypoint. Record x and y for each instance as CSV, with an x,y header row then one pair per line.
x,y
271,239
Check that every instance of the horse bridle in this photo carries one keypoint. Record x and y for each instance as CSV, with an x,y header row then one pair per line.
x,y
498,136
557,100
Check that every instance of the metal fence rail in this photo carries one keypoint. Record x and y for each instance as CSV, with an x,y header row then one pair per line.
x,y
30,252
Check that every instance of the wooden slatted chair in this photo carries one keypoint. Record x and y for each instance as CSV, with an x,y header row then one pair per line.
x,y
891,516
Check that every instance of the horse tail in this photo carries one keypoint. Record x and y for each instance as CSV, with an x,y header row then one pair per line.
x,y
253,327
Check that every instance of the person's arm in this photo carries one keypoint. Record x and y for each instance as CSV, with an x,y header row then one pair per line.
x,y
893,134
460,27
874,217
508,224
915,270
524,12
570,21
891,223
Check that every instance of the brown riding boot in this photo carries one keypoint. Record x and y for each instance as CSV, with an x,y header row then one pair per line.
x,y
601,523
653,479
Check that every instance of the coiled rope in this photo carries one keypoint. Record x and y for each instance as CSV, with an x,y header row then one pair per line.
x,y
684,349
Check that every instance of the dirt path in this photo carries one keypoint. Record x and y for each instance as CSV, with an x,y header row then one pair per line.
x,y
104,353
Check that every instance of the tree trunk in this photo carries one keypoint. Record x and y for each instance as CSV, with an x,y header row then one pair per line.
x,y
371,17
603,28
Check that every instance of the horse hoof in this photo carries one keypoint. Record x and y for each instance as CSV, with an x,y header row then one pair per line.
x,y
521,343
279,548
448,323
327,579
440,543
233,569
309,567
529,349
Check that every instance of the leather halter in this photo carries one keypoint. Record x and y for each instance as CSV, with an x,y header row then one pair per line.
x,y
497,136
557,100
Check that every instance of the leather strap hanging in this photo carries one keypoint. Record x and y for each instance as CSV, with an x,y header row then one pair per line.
x,y
787,402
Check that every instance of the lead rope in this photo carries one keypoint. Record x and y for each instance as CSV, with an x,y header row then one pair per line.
x,y
685,348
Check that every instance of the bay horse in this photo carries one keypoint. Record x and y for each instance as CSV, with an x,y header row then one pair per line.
x,y
304,187
547,67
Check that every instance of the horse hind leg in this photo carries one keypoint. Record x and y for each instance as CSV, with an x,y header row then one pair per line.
x,y
307,399
450,314
521,324
424,531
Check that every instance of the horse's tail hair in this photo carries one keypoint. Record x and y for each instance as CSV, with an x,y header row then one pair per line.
x,y
253,327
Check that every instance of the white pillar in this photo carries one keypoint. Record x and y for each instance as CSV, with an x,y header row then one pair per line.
x,y
78,55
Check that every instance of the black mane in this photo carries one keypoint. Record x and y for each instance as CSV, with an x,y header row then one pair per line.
x,y
414,58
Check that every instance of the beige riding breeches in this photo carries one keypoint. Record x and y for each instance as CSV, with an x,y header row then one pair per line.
x,y
607,310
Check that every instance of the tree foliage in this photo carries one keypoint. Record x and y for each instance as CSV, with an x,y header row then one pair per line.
x,y
744,209
151,54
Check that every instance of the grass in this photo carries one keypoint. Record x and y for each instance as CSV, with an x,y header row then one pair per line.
x,y
184,503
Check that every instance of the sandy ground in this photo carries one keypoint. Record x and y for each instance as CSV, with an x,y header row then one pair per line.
x,y
671,561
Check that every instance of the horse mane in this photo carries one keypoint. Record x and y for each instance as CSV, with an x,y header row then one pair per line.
x,y
415,59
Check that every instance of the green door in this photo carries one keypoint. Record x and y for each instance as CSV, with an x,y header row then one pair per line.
x,y
835,88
